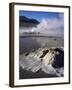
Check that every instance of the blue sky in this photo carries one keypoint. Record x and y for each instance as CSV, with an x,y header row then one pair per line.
x,y
39,15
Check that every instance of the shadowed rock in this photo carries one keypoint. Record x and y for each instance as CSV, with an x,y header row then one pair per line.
x,y
59,59
44,53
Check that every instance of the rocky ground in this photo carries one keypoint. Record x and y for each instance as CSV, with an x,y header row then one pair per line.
x,y
42,62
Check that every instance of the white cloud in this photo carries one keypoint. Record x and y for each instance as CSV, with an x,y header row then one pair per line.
x,y
51,26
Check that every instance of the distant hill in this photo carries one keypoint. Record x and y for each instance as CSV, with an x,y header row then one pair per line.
x,y
27,22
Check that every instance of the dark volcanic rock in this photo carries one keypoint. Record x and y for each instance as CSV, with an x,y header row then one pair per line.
x,y
59,59
44,53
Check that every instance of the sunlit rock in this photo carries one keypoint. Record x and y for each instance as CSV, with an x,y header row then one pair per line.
x,y
44,59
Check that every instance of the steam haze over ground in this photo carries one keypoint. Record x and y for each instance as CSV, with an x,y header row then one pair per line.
x,y
52,24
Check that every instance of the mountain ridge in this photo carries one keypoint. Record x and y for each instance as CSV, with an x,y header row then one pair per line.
x,y
27,22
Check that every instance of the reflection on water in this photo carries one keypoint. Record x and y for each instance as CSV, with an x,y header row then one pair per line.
x,y
28,43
